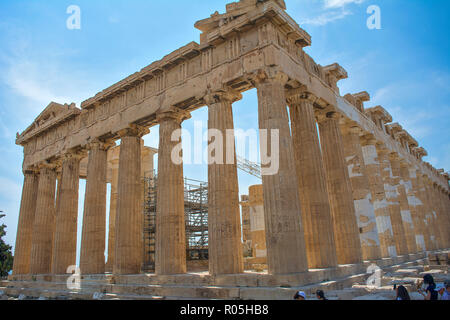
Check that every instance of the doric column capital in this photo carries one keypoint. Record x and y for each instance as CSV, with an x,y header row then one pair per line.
x,y
173,114
394,156
48,165
133,130
227,95
349,128
404,163
31,170
299,95
100,144
382,150
267,75
368,140
326,114
75,153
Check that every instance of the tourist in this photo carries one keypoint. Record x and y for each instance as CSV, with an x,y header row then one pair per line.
x,y
430,291
445,292
402,293
320,295
300,295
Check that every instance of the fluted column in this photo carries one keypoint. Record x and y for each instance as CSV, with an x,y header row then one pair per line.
x,y
421,209
224,221
427,213
444,201
440,220
170,247
405,213
112,215
286,251
362,196
22,251
65,242
44,222
446,207
392,197
434,217
401,219
346,231
316,212
409,202
128,256
92,259
383,217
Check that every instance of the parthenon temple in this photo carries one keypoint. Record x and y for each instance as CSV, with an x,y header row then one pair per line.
x,y
351,188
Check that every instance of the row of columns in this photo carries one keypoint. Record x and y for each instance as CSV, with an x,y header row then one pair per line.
x,y
350,200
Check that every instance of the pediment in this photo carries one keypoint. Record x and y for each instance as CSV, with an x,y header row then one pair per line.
x,y
50,112
233,11
52,115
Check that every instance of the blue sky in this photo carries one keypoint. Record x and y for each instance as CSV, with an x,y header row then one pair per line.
x,y
404,66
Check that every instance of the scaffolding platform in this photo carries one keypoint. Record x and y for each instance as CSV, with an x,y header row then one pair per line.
x,y
196,219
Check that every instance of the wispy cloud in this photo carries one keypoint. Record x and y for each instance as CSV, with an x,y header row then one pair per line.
x,y
38,77
331,10
29,79
331,4
414,112
326,18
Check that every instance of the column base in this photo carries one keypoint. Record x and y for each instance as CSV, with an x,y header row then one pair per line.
x,y
249,285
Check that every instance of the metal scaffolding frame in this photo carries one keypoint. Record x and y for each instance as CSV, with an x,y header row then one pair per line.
x,y
249,167
196,218
196,215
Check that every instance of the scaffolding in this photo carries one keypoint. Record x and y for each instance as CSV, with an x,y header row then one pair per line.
x,y
149,223
196,218
249,167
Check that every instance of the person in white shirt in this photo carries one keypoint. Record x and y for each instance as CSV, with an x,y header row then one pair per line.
x,y
445,292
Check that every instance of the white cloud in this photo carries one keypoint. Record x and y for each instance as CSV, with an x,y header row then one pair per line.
x,y
331,10
331,4
39,77
28,79
326,18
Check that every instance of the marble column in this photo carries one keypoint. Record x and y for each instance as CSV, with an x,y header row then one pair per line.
x,y
44,222
362,196
445,214
316,212
224,221
92,259
421,210
22,250
383,217
346,231
440,218
392,197
405,213
129,242
415,234
430,237
170,247
112,215
434,217
65,242
286,251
